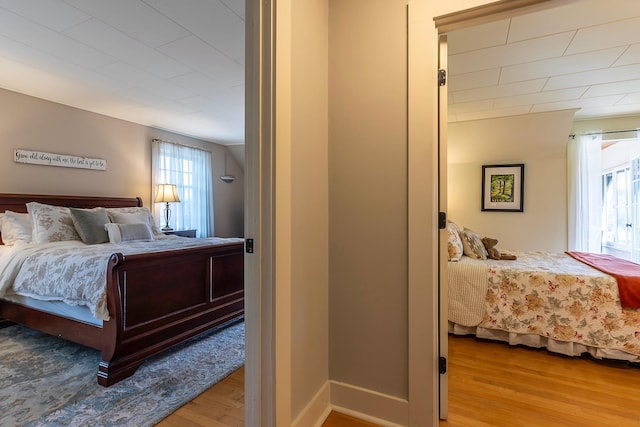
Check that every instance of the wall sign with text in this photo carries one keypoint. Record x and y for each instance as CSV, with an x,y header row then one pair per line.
x,y
62,160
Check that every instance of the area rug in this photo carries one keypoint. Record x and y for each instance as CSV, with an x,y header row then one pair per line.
x,y
47,381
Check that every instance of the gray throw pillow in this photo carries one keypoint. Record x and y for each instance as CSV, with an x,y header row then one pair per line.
x,y
89,223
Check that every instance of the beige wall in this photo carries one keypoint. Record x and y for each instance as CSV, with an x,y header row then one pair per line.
x,y
372,275
34,124
368,195
310,210
537,140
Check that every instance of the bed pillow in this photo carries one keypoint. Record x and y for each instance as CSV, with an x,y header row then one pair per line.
x,y
119,233
472,244
51,223
89,224
454,243
133,215
15,227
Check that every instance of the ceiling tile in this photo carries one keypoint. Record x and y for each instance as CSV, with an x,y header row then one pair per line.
x,y
609,75
46,40
631,98
200,84
135,18
608,111
530,50
204,58
579,14
562,65
617,88
139,78
117,44
210,20
511,89
238,7
630,56
620,33
53,14
539,97
601,101
478,37
489,114
465,107
474,80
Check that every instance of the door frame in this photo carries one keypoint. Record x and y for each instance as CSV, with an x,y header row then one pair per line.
x,y
260,384
443,24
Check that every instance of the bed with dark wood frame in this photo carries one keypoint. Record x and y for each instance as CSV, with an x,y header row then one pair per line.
x,y
155,300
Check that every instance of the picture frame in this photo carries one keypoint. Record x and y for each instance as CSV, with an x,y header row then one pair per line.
x,y
503,188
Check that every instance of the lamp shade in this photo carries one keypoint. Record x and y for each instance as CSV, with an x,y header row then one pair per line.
x,y
166,193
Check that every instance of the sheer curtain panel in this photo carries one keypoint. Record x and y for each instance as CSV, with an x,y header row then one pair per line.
x,y
584,157
189,169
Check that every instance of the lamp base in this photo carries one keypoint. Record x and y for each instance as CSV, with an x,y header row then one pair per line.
x,y
167,215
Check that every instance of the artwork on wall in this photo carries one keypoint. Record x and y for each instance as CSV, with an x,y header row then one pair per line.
x,y
503,188
63,160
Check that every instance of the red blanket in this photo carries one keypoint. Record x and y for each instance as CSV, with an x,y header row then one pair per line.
x,y
627,274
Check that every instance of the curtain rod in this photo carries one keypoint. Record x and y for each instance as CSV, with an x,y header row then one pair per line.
x,y
573,135
195,147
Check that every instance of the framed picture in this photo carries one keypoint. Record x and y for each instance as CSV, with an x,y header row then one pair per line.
x,y
503,188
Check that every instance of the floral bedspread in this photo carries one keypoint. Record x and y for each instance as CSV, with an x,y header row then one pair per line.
x,y
74,272
553,295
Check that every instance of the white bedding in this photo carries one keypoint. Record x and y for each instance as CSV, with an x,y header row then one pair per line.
x,y
73,272
467,290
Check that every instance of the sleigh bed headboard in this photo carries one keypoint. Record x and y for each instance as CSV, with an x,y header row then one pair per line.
x,y
17,202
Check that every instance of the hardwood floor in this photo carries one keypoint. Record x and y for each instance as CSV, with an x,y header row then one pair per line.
x,y
494,384
490,384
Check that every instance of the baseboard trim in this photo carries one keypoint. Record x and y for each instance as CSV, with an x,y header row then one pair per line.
x,y
368,405
317,410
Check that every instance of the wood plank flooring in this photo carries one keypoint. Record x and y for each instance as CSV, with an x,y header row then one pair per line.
x,y
494,384
490,384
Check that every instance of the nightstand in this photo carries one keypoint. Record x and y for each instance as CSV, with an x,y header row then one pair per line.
x,y
182,233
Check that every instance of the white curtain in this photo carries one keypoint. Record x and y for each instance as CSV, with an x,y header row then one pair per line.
x,y
190,170
584,156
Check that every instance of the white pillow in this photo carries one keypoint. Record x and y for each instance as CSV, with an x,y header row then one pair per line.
x,y
51,223
133,215
128,232
15,227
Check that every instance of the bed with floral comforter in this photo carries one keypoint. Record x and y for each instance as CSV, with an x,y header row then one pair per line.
x,y
549,300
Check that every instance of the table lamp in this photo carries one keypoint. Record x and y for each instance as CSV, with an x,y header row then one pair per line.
x,y
166,193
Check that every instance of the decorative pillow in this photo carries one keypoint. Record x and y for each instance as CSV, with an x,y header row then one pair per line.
x,y
89,224
15,227
128,232
133,215
454,243
472,244
51,223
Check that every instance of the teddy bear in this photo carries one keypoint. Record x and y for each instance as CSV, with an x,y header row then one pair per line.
x,y
490,244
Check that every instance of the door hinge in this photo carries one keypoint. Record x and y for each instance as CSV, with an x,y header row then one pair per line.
x,y
442,77
248,246
442,220
442,365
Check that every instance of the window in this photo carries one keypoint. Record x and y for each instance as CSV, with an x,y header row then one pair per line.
x,y
616,212
189,169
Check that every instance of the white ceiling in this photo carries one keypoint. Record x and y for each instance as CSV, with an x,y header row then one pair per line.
x,y
179,65
585,55
175,65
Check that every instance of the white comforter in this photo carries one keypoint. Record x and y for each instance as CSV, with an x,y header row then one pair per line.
x,y
74,272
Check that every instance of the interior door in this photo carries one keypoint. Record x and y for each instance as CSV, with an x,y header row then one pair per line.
x,y
442,207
